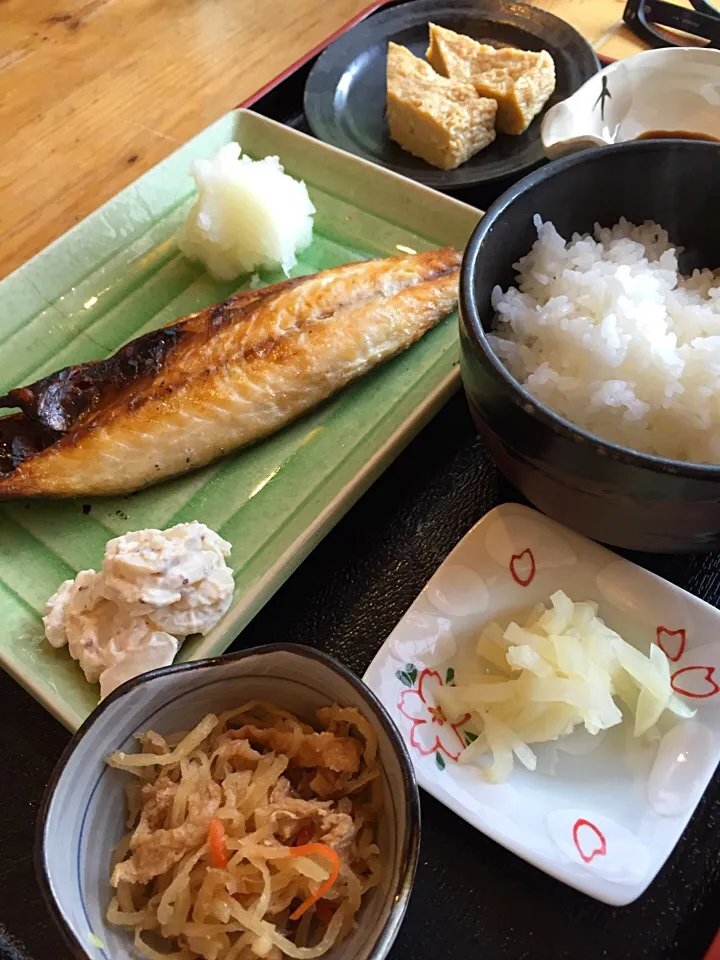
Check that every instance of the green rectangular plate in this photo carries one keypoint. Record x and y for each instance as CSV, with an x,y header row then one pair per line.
x,y
118,274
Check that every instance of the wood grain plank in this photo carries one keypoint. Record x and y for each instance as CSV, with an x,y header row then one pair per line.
x,y
594,19
600,22
94,92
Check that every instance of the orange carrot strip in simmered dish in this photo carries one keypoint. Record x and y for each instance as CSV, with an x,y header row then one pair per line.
x,y
218,846
322,850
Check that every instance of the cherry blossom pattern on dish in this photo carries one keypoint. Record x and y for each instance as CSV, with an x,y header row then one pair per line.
x,y
671,642
696,682
698,677
524,546
599,845
523,567
589,840
430,732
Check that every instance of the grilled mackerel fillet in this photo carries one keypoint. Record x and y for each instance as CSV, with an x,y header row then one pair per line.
x,y
184,395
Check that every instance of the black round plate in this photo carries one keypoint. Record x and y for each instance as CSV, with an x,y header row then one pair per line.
x,y
345,92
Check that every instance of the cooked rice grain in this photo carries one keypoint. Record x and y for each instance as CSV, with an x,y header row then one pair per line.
x,y
605,331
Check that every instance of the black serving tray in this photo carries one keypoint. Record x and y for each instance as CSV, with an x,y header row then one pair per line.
x,y
462,908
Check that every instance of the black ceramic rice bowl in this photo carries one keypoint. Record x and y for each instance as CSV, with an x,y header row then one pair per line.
x,y
610,493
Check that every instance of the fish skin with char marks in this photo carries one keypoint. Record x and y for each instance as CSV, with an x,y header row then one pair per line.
x,y
185,395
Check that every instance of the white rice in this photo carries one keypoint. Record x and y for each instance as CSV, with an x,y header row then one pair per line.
x,y
607,333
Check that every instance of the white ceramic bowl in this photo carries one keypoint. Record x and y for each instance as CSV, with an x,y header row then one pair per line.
x,y
82,814
658,90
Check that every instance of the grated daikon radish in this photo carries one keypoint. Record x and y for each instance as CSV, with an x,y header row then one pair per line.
x,y
248,214
562,669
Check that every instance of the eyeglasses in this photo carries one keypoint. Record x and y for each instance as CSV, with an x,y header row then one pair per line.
x,y
644,16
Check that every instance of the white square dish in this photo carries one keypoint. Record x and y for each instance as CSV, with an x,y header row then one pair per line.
x,y
608,817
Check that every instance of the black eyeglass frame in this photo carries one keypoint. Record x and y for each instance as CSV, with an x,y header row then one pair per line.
x,y
703,21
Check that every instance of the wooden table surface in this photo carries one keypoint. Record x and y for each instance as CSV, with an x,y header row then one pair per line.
x,y
94,92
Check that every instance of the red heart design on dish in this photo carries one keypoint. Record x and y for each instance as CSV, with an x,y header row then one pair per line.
x,y
696,676
673,650
523,572
590,843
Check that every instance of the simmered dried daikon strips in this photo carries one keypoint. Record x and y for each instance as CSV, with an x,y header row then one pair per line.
x,y
518,636
459,700
523,657
642,670
560,617
479,747
562,669
570,657
650,706
649,710
626,690
493,647
539,722
596,646
501,741
498,732
584,615
534,616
